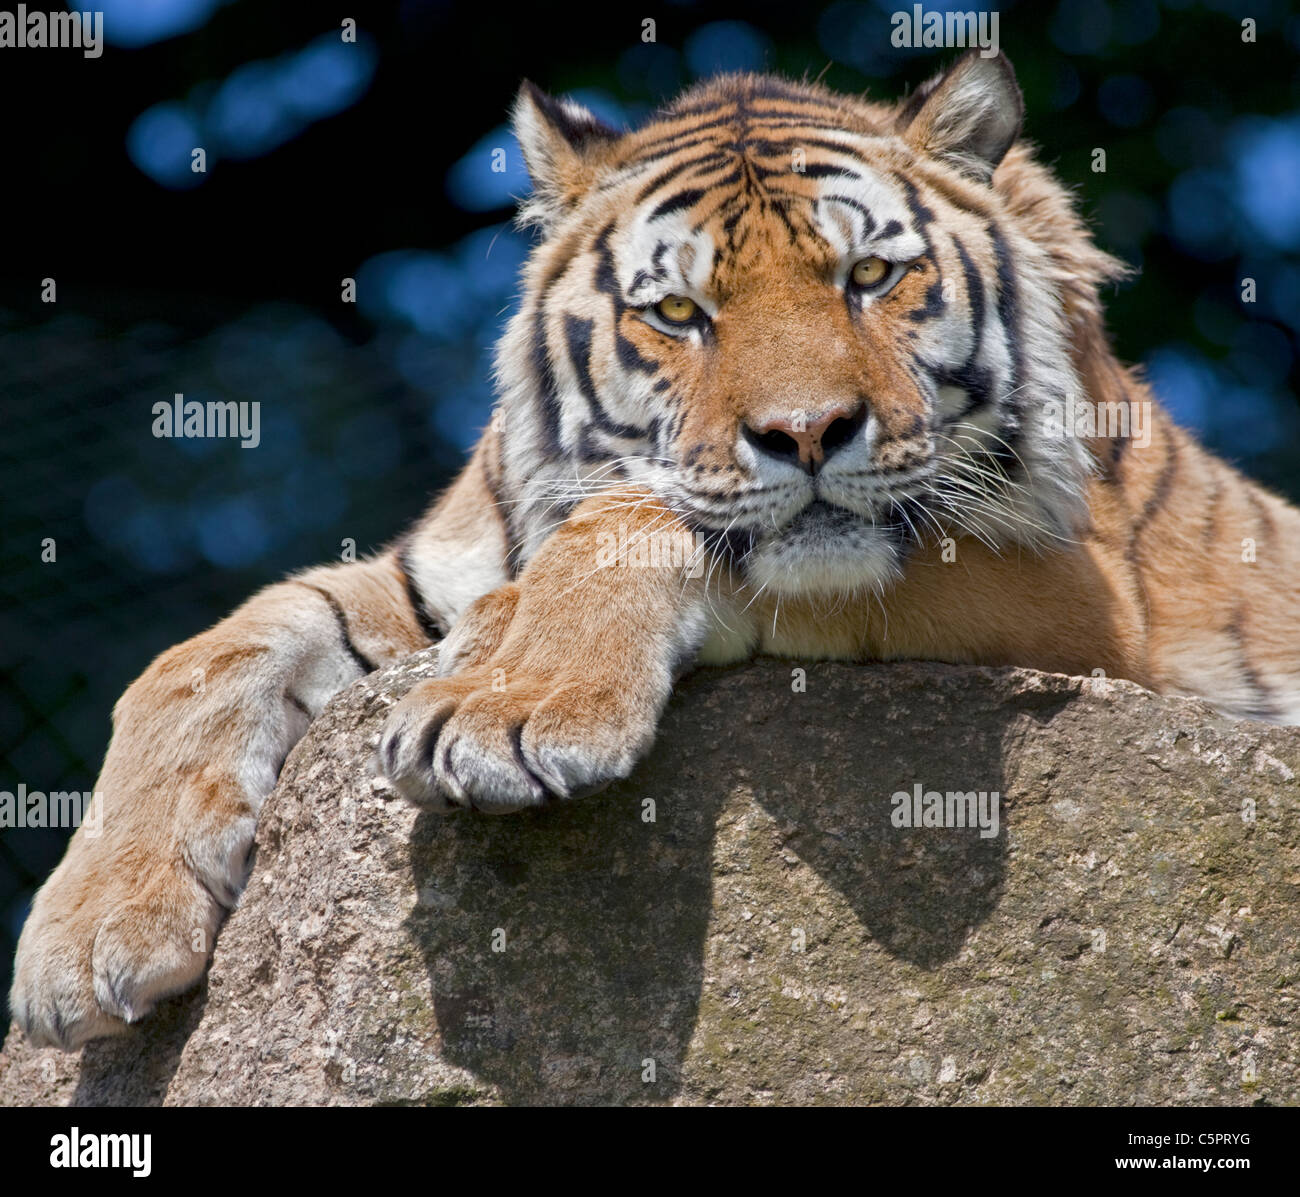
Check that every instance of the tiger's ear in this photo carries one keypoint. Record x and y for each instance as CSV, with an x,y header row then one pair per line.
x,y
969,115
563,144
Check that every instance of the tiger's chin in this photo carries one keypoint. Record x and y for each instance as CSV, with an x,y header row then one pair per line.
x,y
825,550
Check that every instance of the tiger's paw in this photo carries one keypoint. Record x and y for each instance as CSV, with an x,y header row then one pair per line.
x,y
111,933
488,741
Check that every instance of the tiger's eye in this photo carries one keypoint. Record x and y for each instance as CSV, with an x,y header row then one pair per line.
x,y
869,271
676,308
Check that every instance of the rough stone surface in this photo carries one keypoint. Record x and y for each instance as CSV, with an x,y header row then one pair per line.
x,y
744,914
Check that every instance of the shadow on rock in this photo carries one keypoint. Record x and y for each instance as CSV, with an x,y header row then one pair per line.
x,y
565,948
918,890
136,1069
574,953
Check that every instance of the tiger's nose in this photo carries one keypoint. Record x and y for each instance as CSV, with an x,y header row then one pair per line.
x,y
807,440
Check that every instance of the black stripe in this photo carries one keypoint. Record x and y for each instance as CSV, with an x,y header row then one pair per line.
x,y
294,700
778,207
606,279
821,170
631,358
922,216
736,111
975,296
921,219
646,159
717,157
978,384
941,186
492,479
366,664
1149,509
1264,708
772,147
1008,309
432,627
548,397
1211,529
728,180
577,336
755,130
1159,495
771,87
1262,516
868,221
718,208
720,117
934,302
775,116
675,203
702,137
1118,448
548,400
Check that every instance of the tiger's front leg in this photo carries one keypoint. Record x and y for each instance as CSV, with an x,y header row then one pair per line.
x,y
131,913
553,685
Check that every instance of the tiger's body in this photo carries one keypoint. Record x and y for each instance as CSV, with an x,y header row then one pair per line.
x,y
815,336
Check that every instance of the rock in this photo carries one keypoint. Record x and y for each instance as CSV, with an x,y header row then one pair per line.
x,y
743,923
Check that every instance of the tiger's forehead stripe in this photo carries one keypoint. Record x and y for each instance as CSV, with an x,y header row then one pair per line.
x,y
638,161
740,153
747,110
733,113
795,199
714,158
780,141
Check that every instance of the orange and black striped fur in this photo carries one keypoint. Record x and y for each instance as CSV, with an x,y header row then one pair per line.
x,y
817,340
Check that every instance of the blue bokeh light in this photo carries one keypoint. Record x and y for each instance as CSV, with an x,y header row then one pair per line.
x,y
452,307
473,184
1200,214
257,108
232,531
1266,173
131,23
1183,381
160,142
726,46
246,117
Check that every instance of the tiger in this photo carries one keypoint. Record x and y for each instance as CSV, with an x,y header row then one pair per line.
x,y
786,377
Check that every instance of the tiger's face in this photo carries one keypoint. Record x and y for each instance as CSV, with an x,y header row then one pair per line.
x,y
799,319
